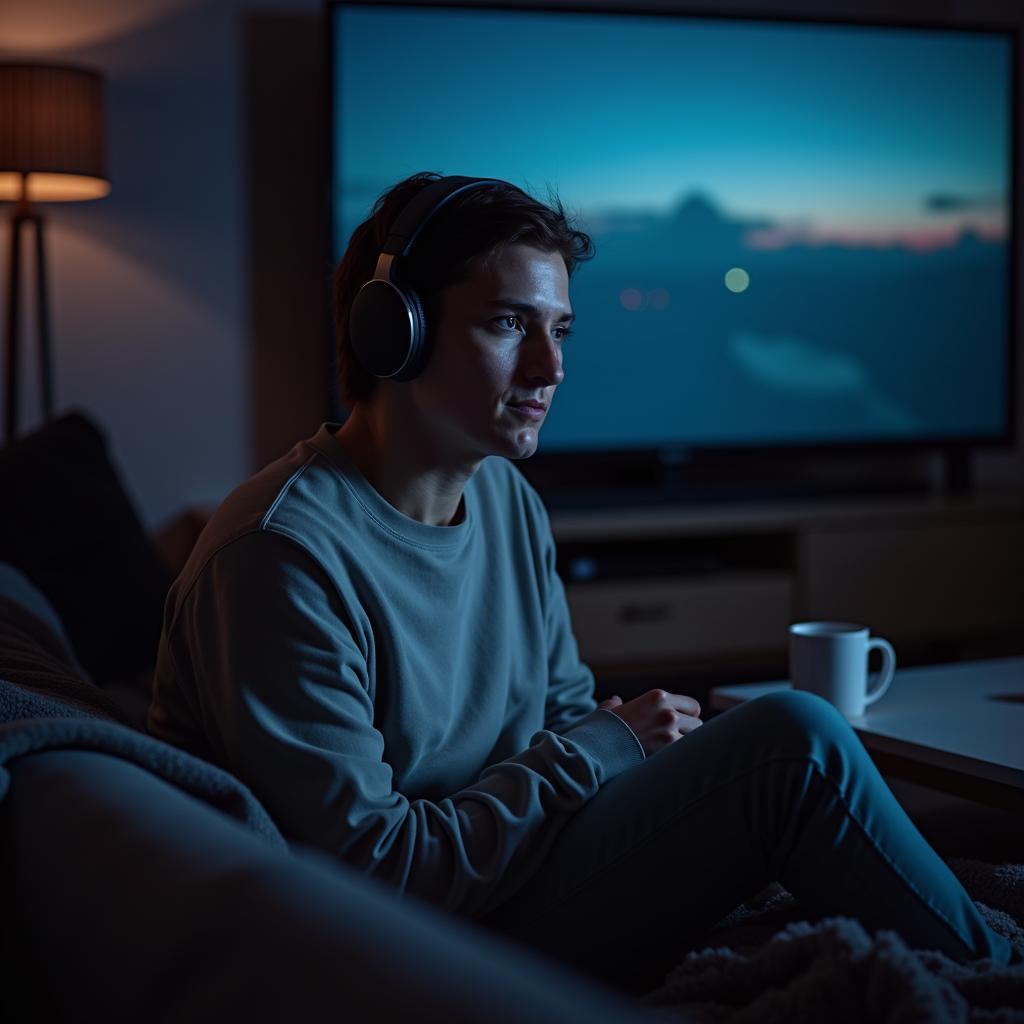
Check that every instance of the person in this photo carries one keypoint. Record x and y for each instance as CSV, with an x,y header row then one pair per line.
x,y
371,634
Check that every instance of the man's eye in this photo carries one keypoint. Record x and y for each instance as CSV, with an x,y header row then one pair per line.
x,y
563,332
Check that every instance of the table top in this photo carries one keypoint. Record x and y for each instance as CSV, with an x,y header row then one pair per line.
x,y
967,716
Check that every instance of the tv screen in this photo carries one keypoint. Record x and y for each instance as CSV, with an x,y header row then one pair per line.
x,y
803,231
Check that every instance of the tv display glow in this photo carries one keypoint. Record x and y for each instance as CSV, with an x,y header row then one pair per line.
x,y
803,231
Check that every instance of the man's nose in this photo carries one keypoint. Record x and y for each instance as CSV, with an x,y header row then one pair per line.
x,y
543,358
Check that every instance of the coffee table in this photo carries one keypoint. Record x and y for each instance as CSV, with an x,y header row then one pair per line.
x,y
956,728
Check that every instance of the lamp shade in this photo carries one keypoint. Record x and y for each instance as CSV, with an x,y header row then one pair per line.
x,y
52,131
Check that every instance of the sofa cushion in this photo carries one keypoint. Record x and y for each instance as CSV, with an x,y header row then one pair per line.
x,y
68,525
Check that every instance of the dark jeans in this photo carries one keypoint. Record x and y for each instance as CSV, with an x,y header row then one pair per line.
x,y
777,789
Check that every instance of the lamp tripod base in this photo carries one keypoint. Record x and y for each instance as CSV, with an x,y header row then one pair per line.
x,y
23,214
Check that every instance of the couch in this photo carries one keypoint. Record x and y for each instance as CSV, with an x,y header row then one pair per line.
x,y
142,883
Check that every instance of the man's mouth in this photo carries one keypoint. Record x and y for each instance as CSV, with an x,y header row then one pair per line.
x,y
530,410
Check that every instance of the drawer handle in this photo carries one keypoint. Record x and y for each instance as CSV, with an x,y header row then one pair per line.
x,y
634,613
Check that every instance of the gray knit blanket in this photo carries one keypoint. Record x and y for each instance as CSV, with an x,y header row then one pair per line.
x,y
765,963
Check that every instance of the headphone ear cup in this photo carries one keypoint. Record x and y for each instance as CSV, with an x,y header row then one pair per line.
x,y
418,348
387,324
382,324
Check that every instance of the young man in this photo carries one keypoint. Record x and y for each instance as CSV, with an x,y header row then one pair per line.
x,y
372,635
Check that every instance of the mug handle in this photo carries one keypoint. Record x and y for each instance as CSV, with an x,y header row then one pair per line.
x,y
888,670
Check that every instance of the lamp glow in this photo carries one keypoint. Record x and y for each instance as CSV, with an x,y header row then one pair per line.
x,y
51,150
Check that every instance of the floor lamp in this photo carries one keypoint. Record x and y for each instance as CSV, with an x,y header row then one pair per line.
x,y
51,150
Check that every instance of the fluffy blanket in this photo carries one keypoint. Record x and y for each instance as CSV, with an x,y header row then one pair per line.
x,y
766,963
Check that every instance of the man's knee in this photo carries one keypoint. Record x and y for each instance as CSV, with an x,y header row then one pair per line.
x,y
804,720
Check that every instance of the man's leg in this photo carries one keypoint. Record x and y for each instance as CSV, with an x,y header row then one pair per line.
x,y
780,788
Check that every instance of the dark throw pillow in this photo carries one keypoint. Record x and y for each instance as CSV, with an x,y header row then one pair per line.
x,y
35,659
67,524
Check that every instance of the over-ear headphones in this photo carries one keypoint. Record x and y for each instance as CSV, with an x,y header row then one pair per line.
x,y
387,326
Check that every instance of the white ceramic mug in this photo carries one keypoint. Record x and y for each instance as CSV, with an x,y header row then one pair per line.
x,y
831,660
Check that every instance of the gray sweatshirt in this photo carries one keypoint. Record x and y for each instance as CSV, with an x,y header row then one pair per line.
x,y
406,697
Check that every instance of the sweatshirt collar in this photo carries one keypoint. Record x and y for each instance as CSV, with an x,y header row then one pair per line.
x,y
387,516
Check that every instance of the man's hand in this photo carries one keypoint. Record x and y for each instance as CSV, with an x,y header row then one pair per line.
x,y
657,718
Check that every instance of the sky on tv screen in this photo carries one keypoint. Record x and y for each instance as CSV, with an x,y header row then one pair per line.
x,y
802,231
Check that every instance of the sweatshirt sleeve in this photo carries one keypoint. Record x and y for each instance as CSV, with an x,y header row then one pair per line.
x,y
286,702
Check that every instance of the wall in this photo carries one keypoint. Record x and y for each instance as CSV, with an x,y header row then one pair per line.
x,y
189,306
157,330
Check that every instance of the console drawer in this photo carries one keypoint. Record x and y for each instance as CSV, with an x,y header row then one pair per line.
x,y
729,613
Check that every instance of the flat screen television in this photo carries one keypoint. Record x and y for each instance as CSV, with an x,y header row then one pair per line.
x,y
805,231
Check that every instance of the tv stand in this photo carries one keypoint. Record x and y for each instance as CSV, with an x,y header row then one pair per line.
x,y
677,493
690,587
958,464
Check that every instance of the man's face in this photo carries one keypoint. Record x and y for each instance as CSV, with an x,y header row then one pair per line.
x,y
498,340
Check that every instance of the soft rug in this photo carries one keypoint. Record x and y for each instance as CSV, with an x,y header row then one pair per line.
x,y
765,964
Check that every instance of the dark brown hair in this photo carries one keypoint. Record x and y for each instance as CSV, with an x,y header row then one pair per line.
x,y
471,228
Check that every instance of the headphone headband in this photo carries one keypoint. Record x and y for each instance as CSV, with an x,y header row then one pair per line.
x,y
419,211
